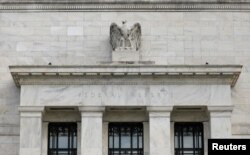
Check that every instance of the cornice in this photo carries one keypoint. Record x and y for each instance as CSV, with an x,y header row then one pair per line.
x,y
124,5
126,75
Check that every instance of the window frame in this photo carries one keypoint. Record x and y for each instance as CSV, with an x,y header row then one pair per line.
x,y
199,127
120,149
71,150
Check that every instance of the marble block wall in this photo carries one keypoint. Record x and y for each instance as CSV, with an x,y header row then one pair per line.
x,y
79,38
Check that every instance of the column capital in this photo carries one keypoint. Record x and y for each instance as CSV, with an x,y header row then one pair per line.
x,y
220,111
91,108
220,108
159,111
31,111
91,111
31,108
159,108
227,108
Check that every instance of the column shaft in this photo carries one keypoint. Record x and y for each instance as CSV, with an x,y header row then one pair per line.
x,y
91,130
220,121
31,130
159,130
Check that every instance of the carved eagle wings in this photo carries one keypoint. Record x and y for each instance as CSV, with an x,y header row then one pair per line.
x,y
124,38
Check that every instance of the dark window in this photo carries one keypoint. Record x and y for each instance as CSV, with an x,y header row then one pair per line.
x,y
189,139
125,139
62,139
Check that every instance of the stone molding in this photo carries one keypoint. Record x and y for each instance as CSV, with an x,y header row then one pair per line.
x,y
124,5
126,75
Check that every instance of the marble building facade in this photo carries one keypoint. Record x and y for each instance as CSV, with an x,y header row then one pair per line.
x,y
57,66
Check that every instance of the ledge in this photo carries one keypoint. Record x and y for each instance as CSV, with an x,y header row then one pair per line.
x,y
126,75
124,5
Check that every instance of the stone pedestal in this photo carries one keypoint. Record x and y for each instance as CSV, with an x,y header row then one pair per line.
x,y
91,130
31,130
159,130
125,55
220,121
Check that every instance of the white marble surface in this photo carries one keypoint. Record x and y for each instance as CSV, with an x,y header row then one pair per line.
x,y
91,133
31,133
45,131
159,133
220,121
125,55
125,95
220,125
105,137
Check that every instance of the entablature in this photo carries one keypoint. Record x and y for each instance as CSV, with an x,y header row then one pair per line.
x,y
126,75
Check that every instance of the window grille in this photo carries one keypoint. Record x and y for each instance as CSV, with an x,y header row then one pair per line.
x,y
125,139
189,139
62,139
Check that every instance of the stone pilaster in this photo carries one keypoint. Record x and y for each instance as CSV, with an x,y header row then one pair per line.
x,y
31,130
91,130
105,137
159,130
45,138
146,137
79,135
220,121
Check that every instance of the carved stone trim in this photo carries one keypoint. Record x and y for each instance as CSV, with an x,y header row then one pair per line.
x,y
124,5
126,75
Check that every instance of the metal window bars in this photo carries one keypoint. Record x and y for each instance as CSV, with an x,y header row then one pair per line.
x,y
189,139
125,139
62,139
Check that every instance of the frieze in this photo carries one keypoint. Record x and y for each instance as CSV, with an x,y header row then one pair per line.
x,y
118,94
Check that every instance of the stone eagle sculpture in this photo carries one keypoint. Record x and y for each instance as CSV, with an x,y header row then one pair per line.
x,y
122,38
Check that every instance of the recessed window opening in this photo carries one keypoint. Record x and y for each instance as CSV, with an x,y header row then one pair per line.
x,y
62,139
189,139
125,139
